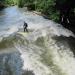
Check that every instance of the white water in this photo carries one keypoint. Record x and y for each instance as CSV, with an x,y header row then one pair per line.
x,y
48,58
44,51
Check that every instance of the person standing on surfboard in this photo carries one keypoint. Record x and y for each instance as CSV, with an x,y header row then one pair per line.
x,y
25,27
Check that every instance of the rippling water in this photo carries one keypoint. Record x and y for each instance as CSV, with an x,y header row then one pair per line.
x,y
48,48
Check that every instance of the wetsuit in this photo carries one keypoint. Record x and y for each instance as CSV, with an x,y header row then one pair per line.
x,y
25,27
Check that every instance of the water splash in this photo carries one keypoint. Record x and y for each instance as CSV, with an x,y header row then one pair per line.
x,y
46,51
44,54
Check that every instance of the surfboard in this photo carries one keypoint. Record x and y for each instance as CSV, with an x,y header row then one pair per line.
x,y
23,33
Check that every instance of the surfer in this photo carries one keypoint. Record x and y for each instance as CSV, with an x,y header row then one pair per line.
x,y
25,27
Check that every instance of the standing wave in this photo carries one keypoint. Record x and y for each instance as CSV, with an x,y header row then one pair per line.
x,y
45,53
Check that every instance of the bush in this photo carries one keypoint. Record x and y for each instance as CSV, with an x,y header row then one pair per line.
x,y
31,7
20,3
46,7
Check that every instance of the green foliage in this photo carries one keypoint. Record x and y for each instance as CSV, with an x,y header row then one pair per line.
x,y
20,3
47,7
9,2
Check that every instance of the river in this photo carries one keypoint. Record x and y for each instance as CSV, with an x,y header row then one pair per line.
x,y
48,48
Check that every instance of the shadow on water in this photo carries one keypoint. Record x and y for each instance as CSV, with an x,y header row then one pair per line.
x,y
71,26
11,64
27,72
66,41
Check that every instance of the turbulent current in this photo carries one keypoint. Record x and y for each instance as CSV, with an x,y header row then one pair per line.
x,y
47,49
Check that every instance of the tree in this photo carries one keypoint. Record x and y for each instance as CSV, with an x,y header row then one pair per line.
x,y
65,8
